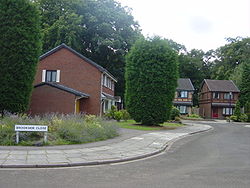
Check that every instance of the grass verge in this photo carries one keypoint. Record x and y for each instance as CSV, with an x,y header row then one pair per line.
x,y
131,124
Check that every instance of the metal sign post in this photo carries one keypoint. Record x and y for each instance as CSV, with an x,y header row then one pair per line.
x,y
17,137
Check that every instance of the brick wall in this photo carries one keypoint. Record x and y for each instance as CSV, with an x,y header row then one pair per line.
x,y
46,99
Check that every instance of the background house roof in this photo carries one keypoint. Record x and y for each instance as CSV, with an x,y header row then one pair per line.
x,y
185,84
221,85
100,68
64,88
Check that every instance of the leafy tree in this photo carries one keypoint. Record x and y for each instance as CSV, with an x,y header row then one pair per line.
x,y
245,84
179,48
102,30
229,56
236,76
20,48
151,80
61,23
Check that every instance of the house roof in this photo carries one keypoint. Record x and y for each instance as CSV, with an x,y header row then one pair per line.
x,y
221,85
100,68
64,88
185,84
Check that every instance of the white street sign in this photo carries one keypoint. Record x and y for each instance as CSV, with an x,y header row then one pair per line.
x,y
35,128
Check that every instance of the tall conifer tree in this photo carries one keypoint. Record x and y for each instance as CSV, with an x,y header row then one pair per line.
x,y
245,84
151,80
20,48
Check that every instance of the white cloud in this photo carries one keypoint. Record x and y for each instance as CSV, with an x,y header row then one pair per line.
x,y
202,24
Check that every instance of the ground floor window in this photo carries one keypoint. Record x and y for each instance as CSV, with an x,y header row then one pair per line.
x,y
183,109
107,105
227,111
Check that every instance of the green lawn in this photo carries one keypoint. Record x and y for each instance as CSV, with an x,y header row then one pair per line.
x,y
131,124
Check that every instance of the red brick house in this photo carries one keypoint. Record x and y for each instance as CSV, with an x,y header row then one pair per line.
x,y
217,98
184,96
67,82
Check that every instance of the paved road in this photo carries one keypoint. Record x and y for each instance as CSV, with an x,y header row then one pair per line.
x,y
219,158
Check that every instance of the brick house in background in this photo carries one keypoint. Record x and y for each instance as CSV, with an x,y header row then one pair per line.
x,y
217,98
184,96
67,82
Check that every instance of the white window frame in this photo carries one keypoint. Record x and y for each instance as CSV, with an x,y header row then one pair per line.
x,y
103,75
58,75
227,111
113,86
44,73
105,80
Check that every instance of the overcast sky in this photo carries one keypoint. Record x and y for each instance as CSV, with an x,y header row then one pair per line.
x,y
200,24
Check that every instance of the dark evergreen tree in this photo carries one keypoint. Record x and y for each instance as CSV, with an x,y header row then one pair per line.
x,y
247,110
237,111
20,49
245,84
151,80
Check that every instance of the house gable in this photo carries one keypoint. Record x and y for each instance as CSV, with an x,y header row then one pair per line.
x,y
79,79
75,73
54,50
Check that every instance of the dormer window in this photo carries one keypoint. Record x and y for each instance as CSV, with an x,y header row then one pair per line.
x,y
51,76
182,94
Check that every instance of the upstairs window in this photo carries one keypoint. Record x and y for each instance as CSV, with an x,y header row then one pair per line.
x,y
51,76
228,96
107,82
182,94
216,95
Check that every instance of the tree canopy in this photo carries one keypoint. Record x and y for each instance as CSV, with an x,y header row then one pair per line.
x,y
230,56
151,80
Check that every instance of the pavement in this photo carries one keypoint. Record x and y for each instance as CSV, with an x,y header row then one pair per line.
x,y
133,148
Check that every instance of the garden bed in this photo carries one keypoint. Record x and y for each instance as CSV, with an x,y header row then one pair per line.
x,y
63,129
